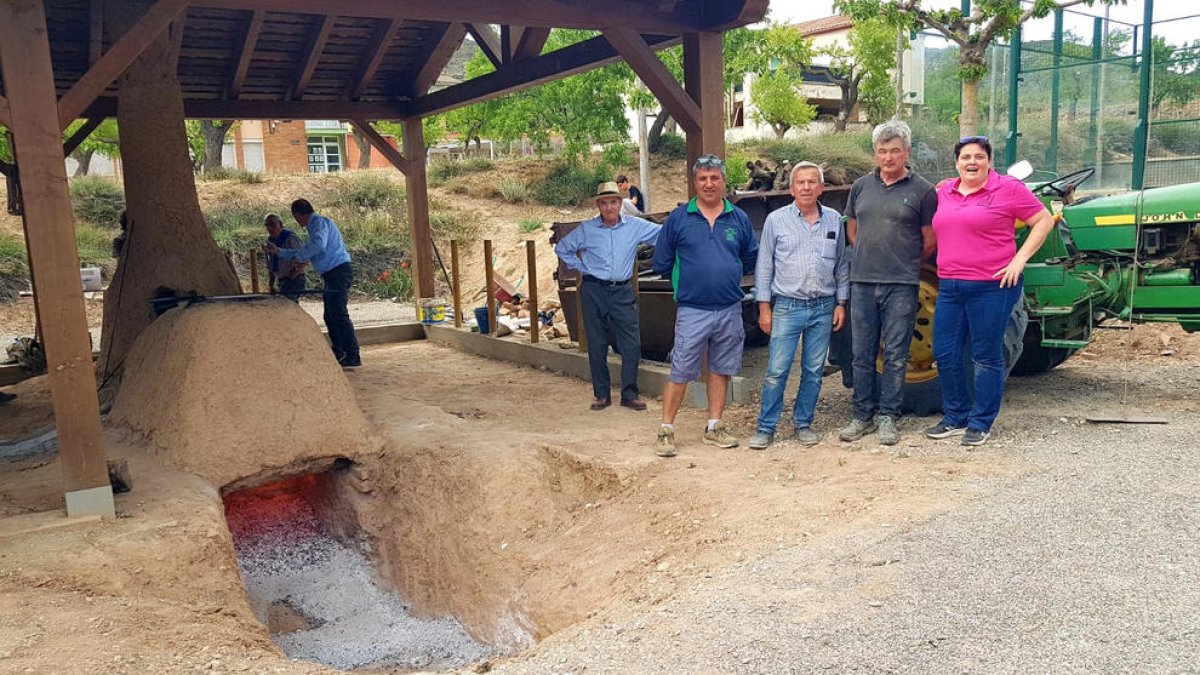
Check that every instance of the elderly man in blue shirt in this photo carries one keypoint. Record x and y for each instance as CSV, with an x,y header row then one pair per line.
x,y
327,253
802,283
603,250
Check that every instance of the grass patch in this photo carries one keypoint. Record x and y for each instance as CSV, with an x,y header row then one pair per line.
x,y
440,172
227,173
366,191
670,146
528,225
513,190
844,156
568,184
13,262
237,228
97,200
95,247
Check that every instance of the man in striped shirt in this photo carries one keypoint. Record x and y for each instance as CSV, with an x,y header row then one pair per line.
x,y
802,283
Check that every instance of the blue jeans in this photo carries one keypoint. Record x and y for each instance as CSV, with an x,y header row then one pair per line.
x,y
808,322
342,339
977,311
881,314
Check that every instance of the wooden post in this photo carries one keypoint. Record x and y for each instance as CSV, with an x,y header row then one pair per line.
x,y
489,278
702,76
455,283
417,191
579,329
29,80
531,257
254,270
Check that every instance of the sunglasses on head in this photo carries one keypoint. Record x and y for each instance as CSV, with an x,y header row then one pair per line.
x,y
973,139
710,160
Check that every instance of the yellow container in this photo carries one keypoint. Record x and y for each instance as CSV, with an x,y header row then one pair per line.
x,y
434,312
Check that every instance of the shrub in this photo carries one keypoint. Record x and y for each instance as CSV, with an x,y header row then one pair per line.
x,y
367,191
528,225
95,246
670,146
452,225
237,228
441,171
568,184
97,200
393,284
229,173
13,261
616,155
844,156
513,190
737,173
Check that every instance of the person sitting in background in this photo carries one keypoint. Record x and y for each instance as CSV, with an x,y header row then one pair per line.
x,y
635,195
286,276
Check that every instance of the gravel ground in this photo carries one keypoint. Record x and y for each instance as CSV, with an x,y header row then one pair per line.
x,y
1084,563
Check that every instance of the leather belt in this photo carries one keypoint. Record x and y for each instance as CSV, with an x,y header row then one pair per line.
x,y
603,282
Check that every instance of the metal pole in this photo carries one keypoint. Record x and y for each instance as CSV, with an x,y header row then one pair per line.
x,y
1014,79
900,73
1100,106
995,68
1094,114
1055,80
1141,132
644,158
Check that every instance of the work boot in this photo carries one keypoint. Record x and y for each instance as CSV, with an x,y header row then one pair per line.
x,y
633,404
760,441
601,403
856,430
807,436
887,431
719,437
665,445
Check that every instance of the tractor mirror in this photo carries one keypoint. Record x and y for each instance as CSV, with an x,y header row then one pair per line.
x,y
1021,170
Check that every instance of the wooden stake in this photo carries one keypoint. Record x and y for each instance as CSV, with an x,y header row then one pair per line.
x,y
489,278
254,270
531,257
455,283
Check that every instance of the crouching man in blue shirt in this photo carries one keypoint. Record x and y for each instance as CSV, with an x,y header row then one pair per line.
x,y
706,246
328,256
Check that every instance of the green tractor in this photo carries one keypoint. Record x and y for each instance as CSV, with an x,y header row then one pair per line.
x,y
1133,257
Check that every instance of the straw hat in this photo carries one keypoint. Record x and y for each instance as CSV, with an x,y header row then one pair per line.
x,y
607,189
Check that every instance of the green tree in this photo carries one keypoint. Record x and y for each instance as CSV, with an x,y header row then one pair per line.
x,y
778,103
105,140
864,66
1175,72
973,33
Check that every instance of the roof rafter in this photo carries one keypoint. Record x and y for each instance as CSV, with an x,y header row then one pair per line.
x,y
577,58
439,55
376,50
658,79
530,43
489,43
320,34
246,55
243,109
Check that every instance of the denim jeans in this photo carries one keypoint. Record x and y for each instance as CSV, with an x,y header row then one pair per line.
x,y
809,323
610,315
881,314
337,317
974,311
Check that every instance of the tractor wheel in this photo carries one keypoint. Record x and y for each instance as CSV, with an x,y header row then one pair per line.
x,y
923,391
1035,358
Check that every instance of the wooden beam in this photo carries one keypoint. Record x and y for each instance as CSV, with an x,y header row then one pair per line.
x,y
418,206
657,78
116,60
703,73
488,42
220,109
27,68
318,38
577,58
81,135
372,57
5,116
444,46
95,31
682,18
531,43
380,143
246,54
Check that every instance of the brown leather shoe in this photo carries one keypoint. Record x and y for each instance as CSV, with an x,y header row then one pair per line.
x,y
601,403
634,404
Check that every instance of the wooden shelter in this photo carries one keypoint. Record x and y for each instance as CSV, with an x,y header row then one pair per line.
x,y
300,59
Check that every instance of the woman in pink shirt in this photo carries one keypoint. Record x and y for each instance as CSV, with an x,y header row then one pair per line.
x,y
979,273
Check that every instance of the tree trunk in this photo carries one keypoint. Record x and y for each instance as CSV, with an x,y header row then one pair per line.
x,y
656,129
780,130
13,185
83,161
364,148
844,106
214,142
973,58
167,245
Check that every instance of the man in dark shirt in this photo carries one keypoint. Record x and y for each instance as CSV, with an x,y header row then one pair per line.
x,y
890,225
635,195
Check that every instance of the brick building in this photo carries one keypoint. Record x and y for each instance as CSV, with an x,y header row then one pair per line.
x,y
292,146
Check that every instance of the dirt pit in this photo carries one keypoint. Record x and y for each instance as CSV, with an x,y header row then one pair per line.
x,y
310,578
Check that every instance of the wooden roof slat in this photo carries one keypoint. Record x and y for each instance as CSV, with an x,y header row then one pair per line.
x,y
372,57
246,53
443,44
488,42
320,34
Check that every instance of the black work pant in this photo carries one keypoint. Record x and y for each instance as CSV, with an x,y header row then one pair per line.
x,y
337,316
610,317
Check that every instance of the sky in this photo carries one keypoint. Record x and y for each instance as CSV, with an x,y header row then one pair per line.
x,y
1177,32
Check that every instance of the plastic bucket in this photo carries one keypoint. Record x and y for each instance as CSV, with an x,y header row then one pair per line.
x,y
481,318
435,313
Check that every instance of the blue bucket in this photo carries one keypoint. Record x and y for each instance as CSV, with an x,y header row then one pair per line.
x,y
481,318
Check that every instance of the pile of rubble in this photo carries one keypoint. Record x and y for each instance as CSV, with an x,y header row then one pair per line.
x,y
515,316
